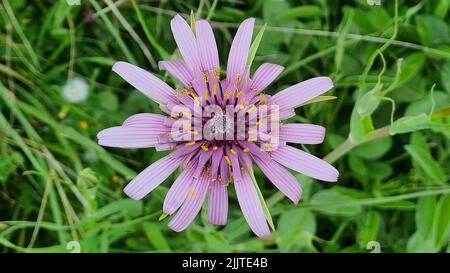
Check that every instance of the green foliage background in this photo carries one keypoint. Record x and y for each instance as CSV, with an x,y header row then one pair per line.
x,y
57,185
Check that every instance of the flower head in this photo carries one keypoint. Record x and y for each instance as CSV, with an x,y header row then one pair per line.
x,y
75,90
216,128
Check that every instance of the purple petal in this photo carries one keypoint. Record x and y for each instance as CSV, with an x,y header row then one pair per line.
x,y
215,162
265,75
237,58
178,191
187,44
305,163
302,133
152,176
218,204
295,95
130,136
178,69
207,46
148,84
251,206
144,120
191,205
286,113
282,179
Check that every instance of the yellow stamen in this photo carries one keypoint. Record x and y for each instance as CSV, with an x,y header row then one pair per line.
x,y
206,94
238,78
258,123
204,148
238,93
263,100
228,95
251,139
253,107
246,150
186,114
215,148
205,76
228,160
217,73
192,143
192,132
215,89
250,132
233,151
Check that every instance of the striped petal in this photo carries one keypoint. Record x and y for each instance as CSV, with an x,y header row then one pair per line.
x,y
191,205
265,75
251,206
218,203
178,191
178,69
152,176
302,133
281,178
130,137
305,163
295,95
237,58
148,84
144,120
207,47
186,42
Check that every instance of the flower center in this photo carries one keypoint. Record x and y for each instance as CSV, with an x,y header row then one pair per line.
x,y
220,123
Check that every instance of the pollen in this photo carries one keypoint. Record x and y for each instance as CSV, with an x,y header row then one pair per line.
x,y
233,151
204,148
246,150
253,107
228,160
215,148
206,94
251,139
192,143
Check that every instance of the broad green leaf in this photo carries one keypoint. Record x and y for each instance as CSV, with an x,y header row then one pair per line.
x,y
442,221
426,207
156,237
296,228
374,149
331,202
367,227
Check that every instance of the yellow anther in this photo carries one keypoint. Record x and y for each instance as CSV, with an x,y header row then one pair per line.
x,y
186,114
192,143
228,95
217,73
192,132
238,93
233,151
263,100
251,139
215,148
204,148
215,89
205,76
253,107
250,131
228,160
258,123
246,150
206,94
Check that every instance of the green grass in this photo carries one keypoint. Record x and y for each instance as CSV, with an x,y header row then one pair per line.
x,y
387,132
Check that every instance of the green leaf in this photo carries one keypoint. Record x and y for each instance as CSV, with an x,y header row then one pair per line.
x,y
442,220
424,159
425,216
155,236
304,11
367,227
410,124
331,202
411,65
374,149
255,45
296,228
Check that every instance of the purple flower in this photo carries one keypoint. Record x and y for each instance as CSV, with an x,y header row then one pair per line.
x,y
210,163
